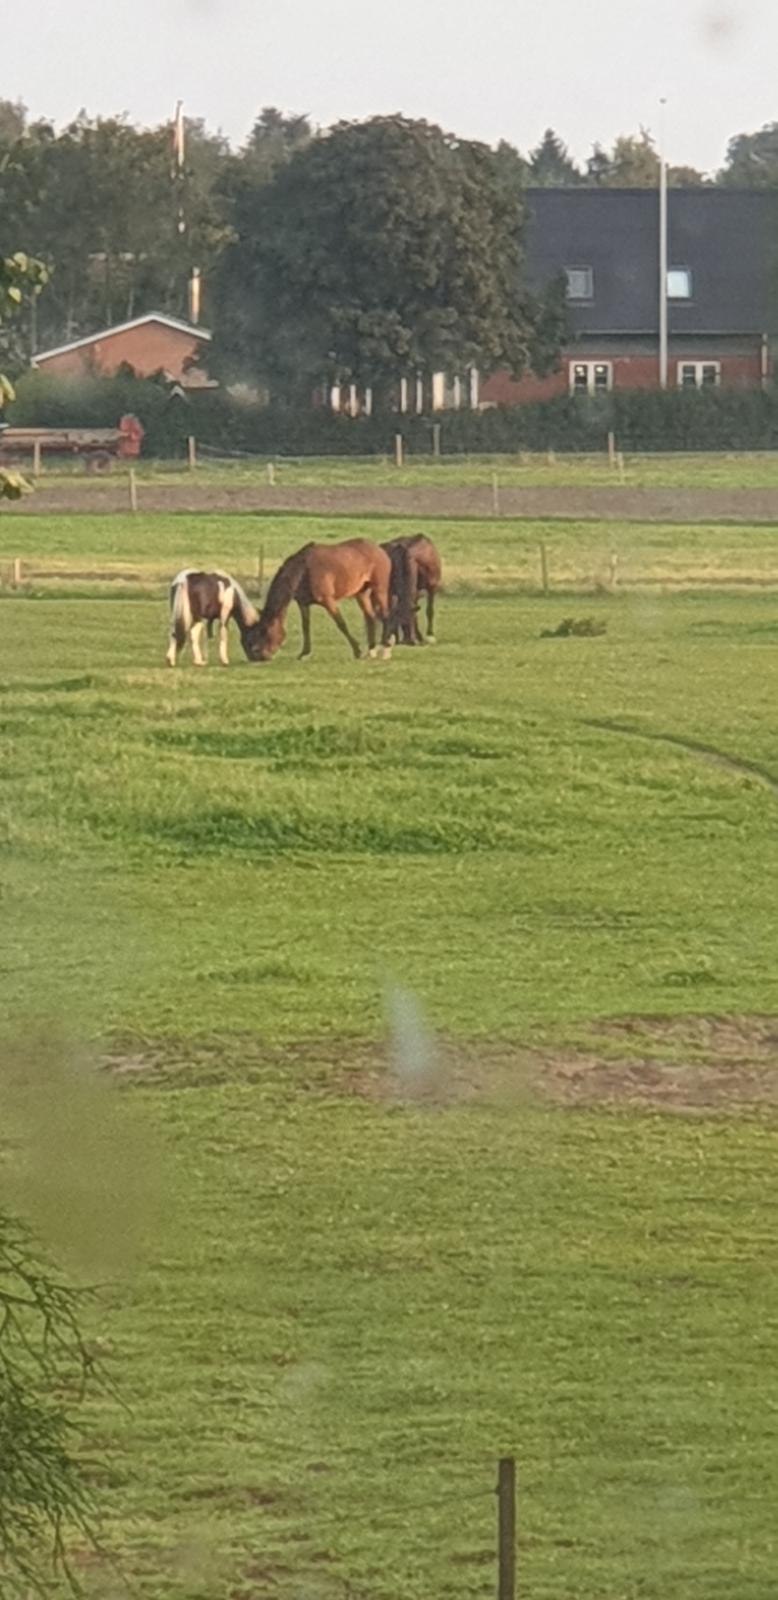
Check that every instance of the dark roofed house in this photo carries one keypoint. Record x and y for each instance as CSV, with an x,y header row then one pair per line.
x,y
722,288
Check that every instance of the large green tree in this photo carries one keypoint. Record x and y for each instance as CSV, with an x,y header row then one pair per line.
x,y
383,248
21,277
550,164
633,163
99,202
273,139
752,159
13,121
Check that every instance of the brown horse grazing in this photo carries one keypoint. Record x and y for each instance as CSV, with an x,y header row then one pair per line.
x,y
199,599
416,569
321,575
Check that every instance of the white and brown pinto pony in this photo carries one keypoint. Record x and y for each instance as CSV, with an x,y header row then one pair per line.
x,y
198,600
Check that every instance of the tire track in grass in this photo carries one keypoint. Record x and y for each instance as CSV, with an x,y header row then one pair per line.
x,y
695,747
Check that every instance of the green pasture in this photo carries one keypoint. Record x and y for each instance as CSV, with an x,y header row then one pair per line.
x,y
332,1300
741,469
125,554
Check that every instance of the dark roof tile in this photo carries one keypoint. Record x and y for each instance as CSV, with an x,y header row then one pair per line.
x,y
728,238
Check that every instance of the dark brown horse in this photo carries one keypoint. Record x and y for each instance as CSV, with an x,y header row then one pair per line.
x,y
198,600
416,569
321,575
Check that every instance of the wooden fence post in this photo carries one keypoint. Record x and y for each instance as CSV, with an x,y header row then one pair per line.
x,y
506,1528
436,438
543,566
133,490
17,577
36,458
398,449
191,446
611,449
271,473
495,495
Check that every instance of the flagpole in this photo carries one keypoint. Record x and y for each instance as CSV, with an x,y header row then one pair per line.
x,y
662,252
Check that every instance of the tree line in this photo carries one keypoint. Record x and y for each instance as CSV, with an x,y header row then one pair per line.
x,y
353,254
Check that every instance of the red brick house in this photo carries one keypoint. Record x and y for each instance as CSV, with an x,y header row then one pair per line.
x,y
722,289
149,344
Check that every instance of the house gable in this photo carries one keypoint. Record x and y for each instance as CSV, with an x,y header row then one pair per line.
x,y
149,344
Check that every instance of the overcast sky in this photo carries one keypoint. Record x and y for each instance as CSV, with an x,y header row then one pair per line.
x,y
486,69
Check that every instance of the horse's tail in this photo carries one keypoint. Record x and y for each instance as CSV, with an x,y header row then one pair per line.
x,y
180,609
410,586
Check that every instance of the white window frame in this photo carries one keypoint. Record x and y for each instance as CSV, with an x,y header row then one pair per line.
x,y
590,370
698,370
687,274
580,299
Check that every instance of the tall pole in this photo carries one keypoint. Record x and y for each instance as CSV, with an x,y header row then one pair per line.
x,y
662,253
506,1529
178,175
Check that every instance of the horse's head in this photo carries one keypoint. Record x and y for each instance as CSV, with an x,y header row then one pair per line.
x,y
263,638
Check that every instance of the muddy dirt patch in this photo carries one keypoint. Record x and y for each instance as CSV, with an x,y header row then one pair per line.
x,y
683,1065
602,504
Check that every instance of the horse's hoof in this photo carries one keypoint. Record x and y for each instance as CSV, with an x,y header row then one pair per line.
x,y
430,639
372,653
386,652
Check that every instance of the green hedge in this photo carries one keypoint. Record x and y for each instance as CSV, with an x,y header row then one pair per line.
x,y
712,419
49,402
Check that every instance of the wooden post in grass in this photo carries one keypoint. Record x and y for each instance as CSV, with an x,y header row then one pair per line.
x,y
506,1529
398,449
543,566
191,447
436,439
133,490
495,495
614,570
36,458
17,577
271,474
611,449
261,571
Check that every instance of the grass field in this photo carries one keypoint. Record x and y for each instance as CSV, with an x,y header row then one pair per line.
x,y
757,470
343,1283
126,555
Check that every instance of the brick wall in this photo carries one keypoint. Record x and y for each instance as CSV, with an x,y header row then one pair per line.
x,y
151,347
741,371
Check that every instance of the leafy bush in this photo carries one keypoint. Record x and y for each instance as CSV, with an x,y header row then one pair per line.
x,y
43,1494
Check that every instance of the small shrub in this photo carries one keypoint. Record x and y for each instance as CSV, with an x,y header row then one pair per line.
x,y
576,628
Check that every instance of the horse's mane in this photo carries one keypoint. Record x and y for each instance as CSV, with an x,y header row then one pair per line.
x,y
284,584
245,611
